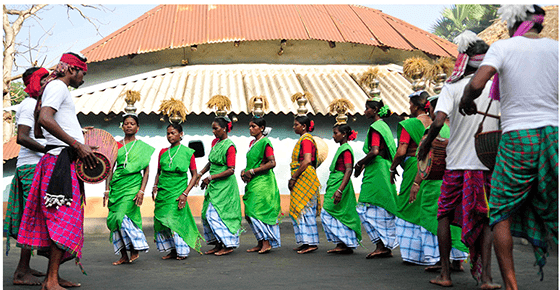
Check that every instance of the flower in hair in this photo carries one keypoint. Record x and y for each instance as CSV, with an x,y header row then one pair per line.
x,y
427,106
353,135
312,125
384,111
229,126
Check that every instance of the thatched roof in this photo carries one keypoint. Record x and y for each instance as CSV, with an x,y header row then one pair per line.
x,y
498,30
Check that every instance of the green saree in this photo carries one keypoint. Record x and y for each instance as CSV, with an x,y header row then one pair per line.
x,y
345,210
126,183
376,187
173,181
262,197
223,193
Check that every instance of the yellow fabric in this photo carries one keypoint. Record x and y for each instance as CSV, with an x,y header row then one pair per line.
x,y
307,185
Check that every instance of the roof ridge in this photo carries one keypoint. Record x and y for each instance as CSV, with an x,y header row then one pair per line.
x,y
128,26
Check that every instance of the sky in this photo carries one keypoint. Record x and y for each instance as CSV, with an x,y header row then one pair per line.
x,y
73,33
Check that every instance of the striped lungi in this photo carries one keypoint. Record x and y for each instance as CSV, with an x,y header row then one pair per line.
x,y
338,232
379,224
129,237
63,225
19,190
419,246
167,241
216,231
525,186
267,232
305,228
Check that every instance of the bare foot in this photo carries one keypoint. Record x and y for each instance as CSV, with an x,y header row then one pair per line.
x,y
255,249
217,248
457,266
134,255
490,285
441,282
37,273
67,284
181,258
308,250
51,286
265,250
380,254
25,279
302,247
224,251
171,255
434,268
122,260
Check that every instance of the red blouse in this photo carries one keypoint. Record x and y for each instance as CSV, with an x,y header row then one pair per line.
x,y
230,154
344,158
376,140
307,147
405,137
268,151
192,166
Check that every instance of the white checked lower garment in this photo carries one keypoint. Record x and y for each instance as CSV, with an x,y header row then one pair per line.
x,y
305,228
379,224
338,232
165,241
216,231
129,236
267,232
419,246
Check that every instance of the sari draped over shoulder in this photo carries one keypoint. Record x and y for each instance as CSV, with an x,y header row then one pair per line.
x,y
126,182
307,185
173,181
262,197
223,193
345,210
376,187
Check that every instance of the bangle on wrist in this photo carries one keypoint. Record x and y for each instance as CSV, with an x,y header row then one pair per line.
x,y
209,177
293,179
184,194
108,190
141,191
252,171
74,143
338,190
416,183
392,170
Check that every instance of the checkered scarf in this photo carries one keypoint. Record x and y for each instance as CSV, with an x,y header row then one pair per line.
x,y
461,64
523,28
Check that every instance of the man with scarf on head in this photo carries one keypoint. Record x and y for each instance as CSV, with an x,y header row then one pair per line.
x,y
30,153
466,181
524,192
53,216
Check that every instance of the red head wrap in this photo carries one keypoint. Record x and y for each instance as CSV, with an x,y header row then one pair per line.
x,y
72,60
353,135
33,82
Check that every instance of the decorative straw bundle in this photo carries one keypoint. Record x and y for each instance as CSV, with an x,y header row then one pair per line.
x,y
441,65
173,108
369,76
413,66
251,103
130,96
220,102
305,94
340,106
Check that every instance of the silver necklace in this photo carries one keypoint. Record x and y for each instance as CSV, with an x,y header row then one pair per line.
x,y
256,142
171,157
127,152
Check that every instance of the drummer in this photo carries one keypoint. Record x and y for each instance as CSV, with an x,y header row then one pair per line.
x,y
462,201
53,218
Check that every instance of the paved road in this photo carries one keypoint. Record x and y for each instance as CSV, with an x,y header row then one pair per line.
x,y
280,269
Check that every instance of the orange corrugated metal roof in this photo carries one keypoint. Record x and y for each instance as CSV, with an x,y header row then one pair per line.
x,y
11,149
174,26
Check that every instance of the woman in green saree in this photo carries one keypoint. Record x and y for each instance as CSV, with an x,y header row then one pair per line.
x,y
339,216
125,192
376,204
262,197
221,210
174,226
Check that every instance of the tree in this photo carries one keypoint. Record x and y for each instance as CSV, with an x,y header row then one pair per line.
x,y
461,17
13,21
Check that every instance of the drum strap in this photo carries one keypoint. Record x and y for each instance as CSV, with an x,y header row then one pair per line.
x,y
59,190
